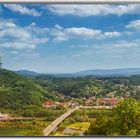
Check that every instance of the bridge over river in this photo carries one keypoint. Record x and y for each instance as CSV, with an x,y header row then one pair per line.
x,y
59,120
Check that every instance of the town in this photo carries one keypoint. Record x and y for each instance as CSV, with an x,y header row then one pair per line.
x,y
92,101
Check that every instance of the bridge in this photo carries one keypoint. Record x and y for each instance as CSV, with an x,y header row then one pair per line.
x,y
55,123
59,120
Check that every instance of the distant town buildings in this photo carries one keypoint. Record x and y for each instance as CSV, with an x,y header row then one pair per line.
x,y
51,104
91,101
106,101
2,115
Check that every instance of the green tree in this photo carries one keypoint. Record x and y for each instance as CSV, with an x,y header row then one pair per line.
x,y
125,120
127,116
98,126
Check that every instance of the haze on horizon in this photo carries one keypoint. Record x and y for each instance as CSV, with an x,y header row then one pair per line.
x,y
69,38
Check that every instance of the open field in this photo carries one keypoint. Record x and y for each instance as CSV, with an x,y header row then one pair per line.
x,y
23,128
77,128
11,132
17,132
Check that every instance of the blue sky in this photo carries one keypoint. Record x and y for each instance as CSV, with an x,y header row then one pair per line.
x,y
69,38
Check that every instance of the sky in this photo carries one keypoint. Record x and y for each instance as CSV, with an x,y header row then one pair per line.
x,y
69,38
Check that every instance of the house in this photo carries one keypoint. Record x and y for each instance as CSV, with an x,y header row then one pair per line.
x,y
4,115
101,101
88,102
113,101
57,103
72,103
49,104
110,95
64,104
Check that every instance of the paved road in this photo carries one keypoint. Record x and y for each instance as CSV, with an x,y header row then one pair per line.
x,y
97,107
55,123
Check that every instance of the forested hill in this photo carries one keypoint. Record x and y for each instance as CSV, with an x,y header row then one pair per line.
x,y
78,87
18,92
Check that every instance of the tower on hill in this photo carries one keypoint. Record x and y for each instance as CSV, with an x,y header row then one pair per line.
x,y
1,63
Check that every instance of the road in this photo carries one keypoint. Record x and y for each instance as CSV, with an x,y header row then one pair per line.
x,y
59,120
55,123
20,118
15,118
97,107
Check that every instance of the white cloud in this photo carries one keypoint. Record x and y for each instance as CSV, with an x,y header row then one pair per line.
x,y
41,40
16,37
64,34
135,24
93,10
82,32
122,44
18,45
37,30
112,34
31,36
16,32
115,49
6,24
22,9
127,44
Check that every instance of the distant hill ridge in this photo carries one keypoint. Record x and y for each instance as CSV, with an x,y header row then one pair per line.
x,y
96,72
26,73
105,72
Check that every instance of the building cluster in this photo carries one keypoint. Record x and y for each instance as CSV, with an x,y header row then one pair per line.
x,y
113,101
108,100
2,115
51,104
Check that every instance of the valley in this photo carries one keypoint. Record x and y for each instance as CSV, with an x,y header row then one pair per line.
x,y
45,105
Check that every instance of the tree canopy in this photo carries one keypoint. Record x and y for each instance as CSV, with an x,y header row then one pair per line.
x,y
125,120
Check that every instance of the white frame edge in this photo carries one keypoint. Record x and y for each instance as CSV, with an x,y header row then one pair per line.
x,y
72,1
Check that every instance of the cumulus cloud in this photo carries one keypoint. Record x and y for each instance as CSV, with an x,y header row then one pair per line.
x,y
64,34
93,10
16,37
22,9
112,34
31,36
6,24
135,24
82,32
